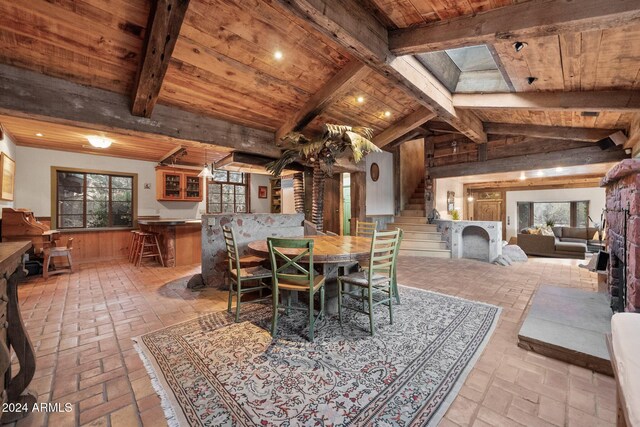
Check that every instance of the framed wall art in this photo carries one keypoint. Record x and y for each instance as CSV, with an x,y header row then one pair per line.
x,y
8,166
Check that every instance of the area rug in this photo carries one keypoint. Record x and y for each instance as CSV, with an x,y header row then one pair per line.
x,y
210,371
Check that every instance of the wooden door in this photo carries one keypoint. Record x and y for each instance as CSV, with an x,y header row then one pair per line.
x,y
487,210
333,204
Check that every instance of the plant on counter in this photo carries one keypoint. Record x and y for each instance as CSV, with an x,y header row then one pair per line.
x,y
321,154
455,215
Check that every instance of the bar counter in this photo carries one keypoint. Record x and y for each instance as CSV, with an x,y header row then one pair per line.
x,y
180,239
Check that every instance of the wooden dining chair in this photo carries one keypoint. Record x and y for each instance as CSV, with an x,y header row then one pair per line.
x,y
239,274
366,229
289,274
378,278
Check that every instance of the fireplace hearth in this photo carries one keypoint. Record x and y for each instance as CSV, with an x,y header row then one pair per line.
x,y
622,185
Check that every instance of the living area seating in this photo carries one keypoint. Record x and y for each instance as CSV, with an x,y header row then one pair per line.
x,y
558,242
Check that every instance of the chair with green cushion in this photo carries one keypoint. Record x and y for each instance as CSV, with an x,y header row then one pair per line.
x,y
292,267
378,279
366,229
239,275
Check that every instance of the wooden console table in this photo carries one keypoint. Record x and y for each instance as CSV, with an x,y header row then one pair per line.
x,y
13,390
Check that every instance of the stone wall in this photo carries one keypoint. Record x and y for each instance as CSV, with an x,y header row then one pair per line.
x,y
453,233
622,183
248,227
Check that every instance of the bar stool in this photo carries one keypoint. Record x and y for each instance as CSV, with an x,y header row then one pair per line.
x,y
57,251
133,244
148,247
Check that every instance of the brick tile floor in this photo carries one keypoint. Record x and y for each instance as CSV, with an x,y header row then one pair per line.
x,y
82,324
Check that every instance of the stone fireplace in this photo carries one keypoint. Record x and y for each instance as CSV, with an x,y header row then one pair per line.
x,y
622,185
481,240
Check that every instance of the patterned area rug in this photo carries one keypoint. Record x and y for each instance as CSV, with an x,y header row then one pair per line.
x,y
211,371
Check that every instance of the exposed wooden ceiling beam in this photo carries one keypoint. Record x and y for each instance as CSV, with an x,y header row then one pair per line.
x,y
170,154
634,135
556,132
580,181
409,136
618,101
573,157
333,90
37,96
530,19
163,28
403,126
350,24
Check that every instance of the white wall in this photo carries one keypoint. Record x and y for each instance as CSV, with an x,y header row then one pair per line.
x,y
288,202
33,182
8,146
595,196
260,205
449,184
380,197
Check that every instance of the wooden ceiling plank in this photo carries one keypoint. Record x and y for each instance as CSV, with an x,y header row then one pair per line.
x,y
564,158
556,132
356,29
30,94
165,21
334,89
526,20
612,101
402,126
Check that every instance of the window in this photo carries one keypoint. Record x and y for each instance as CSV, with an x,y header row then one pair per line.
x,y
560,214
88,199
228,192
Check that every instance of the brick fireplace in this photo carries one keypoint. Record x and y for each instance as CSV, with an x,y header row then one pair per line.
x,y
622,185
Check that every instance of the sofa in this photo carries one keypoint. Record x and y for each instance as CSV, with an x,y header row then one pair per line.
x,y
562,242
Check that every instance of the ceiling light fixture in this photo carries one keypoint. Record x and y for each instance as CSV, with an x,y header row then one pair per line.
x,y
469,197
360,99
206,170
278,55
522,176
39,134
559,169
454,145
387,113
540,173
530,80
98,141
518,46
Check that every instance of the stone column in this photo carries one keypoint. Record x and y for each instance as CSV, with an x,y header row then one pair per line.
x,y
298,191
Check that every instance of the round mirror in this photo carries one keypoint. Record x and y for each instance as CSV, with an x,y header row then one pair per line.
x,y
374,172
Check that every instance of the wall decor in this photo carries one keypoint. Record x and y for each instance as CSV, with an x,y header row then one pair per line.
x,y
7,183
451,196
374,171
262,192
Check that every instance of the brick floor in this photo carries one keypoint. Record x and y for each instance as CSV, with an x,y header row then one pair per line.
x,y
82,324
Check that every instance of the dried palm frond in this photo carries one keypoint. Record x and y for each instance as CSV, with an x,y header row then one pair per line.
x,y
360,146
277,166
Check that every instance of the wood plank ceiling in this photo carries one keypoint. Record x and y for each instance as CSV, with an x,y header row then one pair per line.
x,y
223,64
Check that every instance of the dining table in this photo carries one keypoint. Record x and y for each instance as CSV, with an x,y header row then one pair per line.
x,y
330,253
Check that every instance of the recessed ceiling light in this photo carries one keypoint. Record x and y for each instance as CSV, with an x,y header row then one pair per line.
x,y
540,173
559,169
522,176
39,134
530,80
518,46
387,113
278,55
360,99
99,141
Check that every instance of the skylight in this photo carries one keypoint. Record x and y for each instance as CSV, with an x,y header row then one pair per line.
x,y
465,70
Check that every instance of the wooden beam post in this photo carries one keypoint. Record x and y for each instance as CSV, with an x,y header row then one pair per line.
x,y
555,132
358,199
402,126
577,156
531,19
337,87
36,96
429,182
163,28
351,25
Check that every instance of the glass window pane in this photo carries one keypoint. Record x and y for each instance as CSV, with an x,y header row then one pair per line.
x,y
121,195
215,208
97,208
582,214
241,208
240,199
94,180
227,188
524,215
70,221
122,182
97,193
97,221
121,208
227,198
227,207
70,208
553,214
120,220
236,177
240,189
219,175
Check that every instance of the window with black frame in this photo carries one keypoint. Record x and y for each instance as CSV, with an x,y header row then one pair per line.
x,y
228,192
94,200
555,214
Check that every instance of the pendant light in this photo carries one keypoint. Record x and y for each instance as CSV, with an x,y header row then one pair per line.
x,y
206,170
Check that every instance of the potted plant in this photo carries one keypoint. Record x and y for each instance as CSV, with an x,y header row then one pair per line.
x,y
321,154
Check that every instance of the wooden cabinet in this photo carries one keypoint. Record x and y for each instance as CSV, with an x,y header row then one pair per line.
x,y
276,195
174,184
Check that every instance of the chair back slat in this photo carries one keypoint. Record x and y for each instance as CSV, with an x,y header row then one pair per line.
x,y
288,267
231,244
366,229
384,252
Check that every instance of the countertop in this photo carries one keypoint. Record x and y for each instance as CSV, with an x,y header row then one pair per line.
x,y
169,221
10,253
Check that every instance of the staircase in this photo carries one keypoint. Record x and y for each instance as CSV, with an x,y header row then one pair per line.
x,y
420,238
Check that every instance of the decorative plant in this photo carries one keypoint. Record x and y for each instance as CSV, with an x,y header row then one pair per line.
x,y
321,154
455,215
550,222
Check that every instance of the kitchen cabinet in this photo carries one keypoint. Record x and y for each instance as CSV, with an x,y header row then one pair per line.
x,y
173,184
